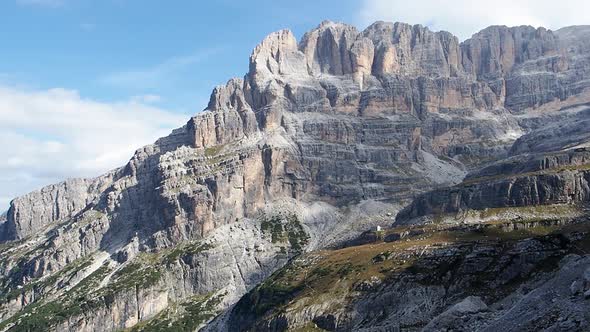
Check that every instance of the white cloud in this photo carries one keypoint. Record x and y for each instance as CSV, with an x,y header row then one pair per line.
x,y
465,17
147,99
47,136
154,76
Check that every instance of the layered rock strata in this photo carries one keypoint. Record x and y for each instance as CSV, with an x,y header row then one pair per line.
x,y
342,119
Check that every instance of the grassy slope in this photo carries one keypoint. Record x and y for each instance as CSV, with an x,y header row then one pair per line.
x,y
331,276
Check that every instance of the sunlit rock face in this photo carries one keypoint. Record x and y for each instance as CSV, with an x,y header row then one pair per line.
x,y
351,115
323,128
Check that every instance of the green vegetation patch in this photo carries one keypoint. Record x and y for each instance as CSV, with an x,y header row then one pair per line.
x,y
383,256
333,276
38,286
145,271
134,275
285,228
41,316
182,250
213,150
273,294
185,316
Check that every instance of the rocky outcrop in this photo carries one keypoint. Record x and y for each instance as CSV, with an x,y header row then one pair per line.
x,y
494,51
3,218
342,119
559,74
407,50
549,166
471,305
327,49
438,90
567,187
475,284
569,132
110,292
228,119
36,211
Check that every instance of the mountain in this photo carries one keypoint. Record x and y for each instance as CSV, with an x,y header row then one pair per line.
x,y
257,214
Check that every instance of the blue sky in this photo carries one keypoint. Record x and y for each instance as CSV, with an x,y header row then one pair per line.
x,y
113,49
83,83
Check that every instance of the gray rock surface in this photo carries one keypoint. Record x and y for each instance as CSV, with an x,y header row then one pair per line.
x,y
519,286
449,319
340,128
33,212
547,171
237,257
565,133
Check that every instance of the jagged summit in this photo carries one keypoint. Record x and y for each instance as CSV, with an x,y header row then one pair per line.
x,y
322,139
328,48
387,69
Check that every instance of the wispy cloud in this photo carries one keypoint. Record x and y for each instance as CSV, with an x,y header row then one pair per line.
x,y
465,17
42,3
147,99
50,135
152,77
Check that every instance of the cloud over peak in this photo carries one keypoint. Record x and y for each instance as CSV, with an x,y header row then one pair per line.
x,y
50,135
463,18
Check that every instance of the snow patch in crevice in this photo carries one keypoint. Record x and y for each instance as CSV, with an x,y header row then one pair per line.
x,y
511,135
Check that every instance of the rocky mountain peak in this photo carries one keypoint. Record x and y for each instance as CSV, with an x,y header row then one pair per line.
x,y
387,69
494,51
277,54
327,47
320,141
575,39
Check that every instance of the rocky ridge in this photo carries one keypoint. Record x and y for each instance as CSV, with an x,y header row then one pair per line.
x,y
286,158
533,176
459,280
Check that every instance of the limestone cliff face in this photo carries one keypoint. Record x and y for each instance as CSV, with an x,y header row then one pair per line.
x,y
31,213
364,102
548,166
565,187
495,51
341,118
569,131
